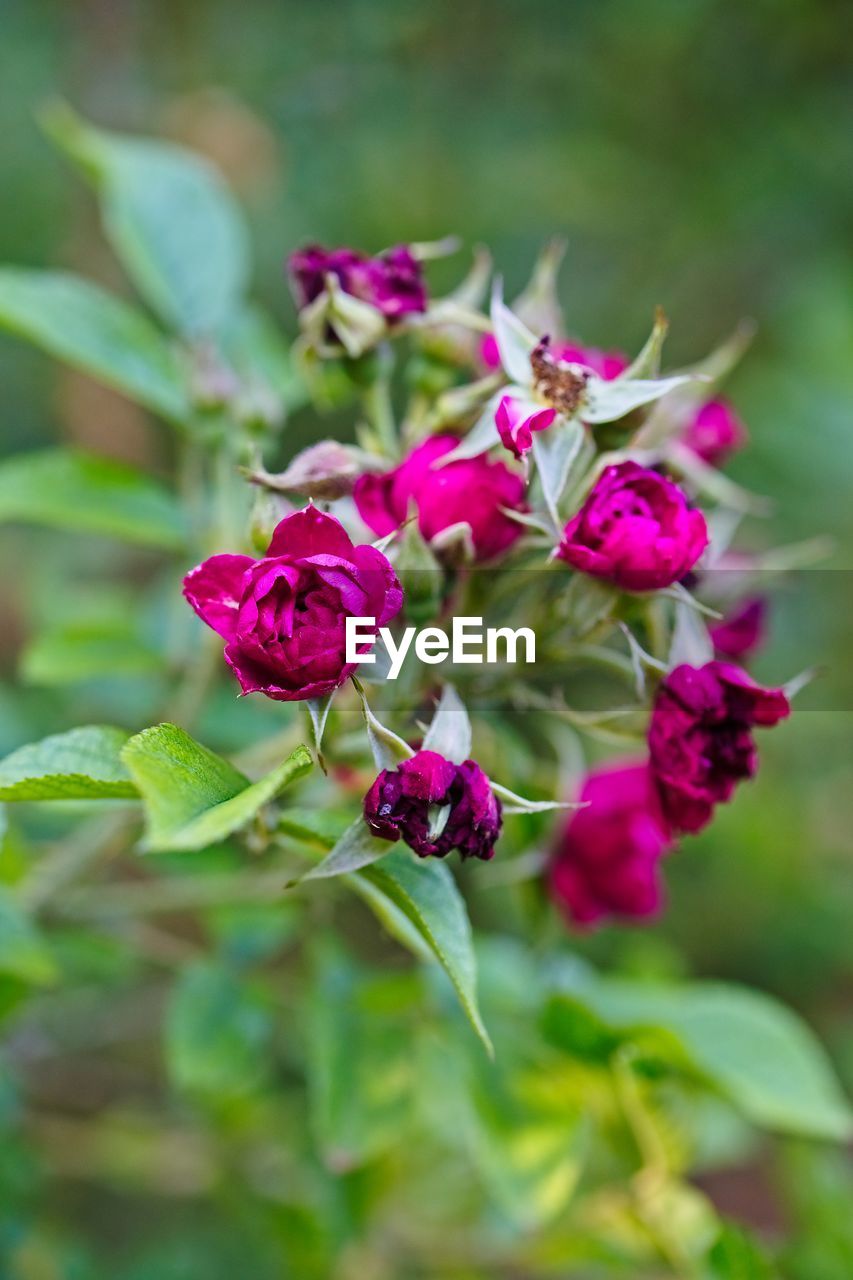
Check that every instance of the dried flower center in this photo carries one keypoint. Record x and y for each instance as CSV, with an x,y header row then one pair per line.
x,y
562,387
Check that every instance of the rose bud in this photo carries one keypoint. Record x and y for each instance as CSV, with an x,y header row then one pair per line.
x,y
700,738
283,617
469,492
606,860
516,425
635,530
715,432
742,631
435,806
607,364
392,282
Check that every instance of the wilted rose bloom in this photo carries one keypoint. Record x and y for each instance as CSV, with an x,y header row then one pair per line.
x,y
471,491
700,738
283,617
715,432
392,282
606,860
742,631
435,806
607,364
635,530
516,426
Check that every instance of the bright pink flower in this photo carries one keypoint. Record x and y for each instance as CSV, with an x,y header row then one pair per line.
x,y
406,803
635,530
742,631
490,352
516,426
471,491
607,364
715,432
283,617
606,860
392,282
700,738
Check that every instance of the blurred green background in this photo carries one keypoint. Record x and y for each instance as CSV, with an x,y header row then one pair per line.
x,y
697,154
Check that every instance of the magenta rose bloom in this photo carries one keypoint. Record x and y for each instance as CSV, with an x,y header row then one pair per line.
x,y
392,282
607,364
700,738
635,530
715,432
409,803
742,631
283,617
471,491
516,426
606,860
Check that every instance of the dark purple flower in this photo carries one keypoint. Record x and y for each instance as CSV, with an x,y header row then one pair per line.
x,y
715,432
700,738
392,282
435,806
742,631
635,530
607,856
284,616
472,491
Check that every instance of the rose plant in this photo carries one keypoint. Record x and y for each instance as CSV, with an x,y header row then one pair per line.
x,y
493,466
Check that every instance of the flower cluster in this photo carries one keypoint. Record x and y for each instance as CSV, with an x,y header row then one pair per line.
x,y
585,463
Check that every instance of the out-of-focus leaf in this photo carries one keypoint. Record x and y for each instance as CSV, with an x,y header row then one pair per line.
x,y
256,347
449,732
360,1068
555,451
86,651
23,953
356,848
426,894
194,798
756,1052
69,490
83,764
217,1033
170,218
736,1256
320,827
97,333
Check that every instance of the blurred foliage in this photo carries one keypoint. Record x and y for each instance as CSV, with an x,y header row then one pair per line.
x,y
697,153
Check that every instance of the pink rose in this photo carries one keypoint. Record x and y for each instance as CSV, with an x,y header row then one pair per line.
x,y
606,860
435,806
392,282
742,631
635,530
700,738
283,616
471,491
516,426
715,432
607,364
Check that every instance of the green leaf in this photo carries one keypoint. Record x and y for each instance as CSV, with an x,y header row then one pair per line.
x,y
752,1049
75,651
170,219
449,732
83,764
320,827
23,953
77,491
360,1068
95,332
424,891
218,1032
555,452
355,849
194,798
